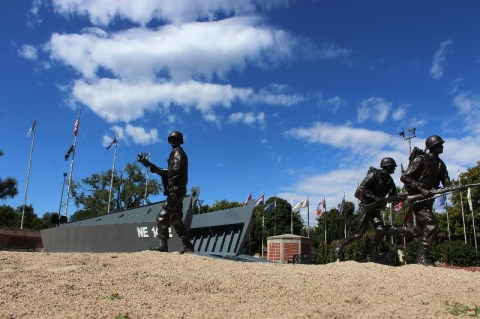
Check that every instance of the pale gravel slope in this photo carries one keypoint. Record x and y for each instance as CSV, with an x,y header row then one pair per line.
x,y
169,285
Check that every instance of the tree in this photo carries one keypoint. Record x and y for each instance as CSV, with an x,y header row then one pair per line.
x,y
92,193
8,186
8,217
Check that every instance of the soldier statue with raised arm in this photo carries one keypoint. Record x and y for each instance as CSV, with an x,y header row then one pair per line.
x,y
175,179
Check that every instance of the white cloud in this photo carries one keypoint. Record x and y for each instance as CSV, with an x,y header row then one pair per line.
x,y
28,52
117,101
140,135
399,113
276,94
468,104
144,11
358,140
177,52
249,118
375,109
439,57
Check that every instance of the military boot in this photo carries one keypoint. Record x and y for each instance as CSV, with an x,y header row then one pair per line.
x,y
187,246
162,246
422,258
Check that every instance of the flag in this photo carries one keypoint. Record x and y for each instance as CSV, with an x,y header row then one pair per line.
x,y
32,129
321,207
469,197
75,126
260,201
442,200
114,141
398,207
301,204
341,206
67,154
269,208
248,198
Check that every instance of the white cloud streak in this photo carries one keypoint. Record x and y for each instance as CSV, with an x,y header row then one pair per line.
x,y
439,58
375,109
358,140
176,11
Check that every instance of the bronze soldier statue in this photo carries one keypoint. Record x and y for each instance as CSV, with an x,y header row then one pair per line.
x,y
175,180
372,194
425,173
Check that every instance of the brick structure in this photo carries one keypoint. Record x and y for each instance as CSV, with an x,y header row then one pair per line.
x,y
281,248
20,239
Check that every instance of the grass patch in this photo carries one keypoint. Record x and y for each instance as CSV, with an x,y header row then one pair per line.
x,y
115,296
458,309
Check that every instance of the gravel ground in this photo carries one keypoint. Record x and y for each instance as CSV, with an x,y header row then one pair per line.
x,y
168,285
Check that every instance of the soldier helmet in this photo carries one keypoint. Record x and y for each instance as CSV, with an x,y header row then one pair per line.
x,y
176,135
388,161
433,140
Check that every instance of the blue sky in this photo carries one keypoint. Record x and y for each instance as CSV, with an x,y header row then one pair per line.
x,y
286,98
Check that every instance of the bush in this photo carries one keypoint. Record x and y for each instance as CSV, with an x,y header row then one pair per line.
x,y
457,253
461,254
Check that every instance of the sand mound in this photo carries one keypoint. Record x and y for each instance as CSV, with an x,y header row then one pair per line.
x,y
169,285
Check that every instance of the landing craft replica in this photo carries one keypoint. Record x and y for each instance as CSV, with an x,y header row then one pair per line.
x,y
221,233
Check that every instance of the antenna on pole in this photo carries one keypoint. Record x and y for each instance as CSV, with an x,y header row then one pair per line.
x,y
410,135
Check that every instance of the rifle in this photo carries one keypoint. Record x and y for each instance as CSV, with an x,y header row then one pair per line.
x,y
434,193
142,158
416,198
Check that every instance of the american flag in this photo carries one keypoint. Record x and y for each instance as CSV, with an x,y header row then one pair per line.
x,y
75,126
321,207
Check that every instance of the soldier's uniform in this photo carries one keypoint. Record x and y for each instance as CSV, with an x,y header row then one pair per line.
x,y
425,172
175,180
371,192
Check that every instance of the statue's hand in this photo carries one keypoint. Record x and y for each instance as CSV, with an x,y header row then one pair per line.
x,y
425,192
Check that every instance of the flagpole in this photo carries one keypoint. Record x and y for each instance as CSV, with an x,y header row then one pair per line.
x,y
34,129
448,228
469,197
263,229
291,217
72,163
391,221
111,179
275,210
461,205
308,219
146,181
325,219
61,196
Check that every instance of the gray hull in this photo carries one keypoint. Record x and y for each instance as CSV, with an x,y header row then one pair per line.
x,y
222,233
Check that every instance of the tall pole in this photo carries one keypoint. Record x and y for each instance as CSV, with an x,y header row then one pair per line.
x,y
461,205
263,229
410,135
308,219
448,229
469,198
291,218
146,181
75,131
32,130
111,179
61,196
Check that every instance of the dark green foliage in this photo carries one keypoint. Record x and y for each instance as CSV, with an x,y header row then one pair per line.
x,y
91,194
8,186
462,254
